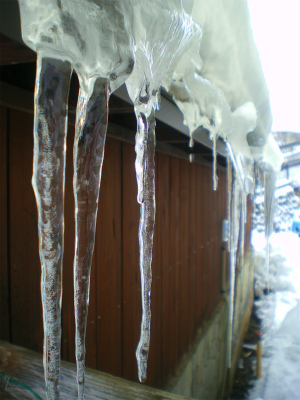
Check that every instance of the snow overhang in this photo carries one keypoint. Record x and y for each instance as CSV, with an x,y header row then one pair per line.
x,y
231,61
226,57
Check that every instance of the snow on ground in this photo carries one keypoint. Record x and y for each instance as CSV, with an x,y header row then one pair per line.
x,y
279,312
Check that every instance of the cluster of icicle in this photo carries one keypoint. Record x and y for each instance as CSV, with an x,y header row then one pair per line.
x,y
146,44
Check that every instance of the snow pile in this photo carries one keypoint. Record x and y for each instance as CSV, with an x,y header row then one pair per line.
x,y
279,312
281,267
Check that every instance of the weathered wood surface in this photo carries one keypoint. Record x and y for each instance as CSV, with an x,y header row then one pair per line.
x,y
27,370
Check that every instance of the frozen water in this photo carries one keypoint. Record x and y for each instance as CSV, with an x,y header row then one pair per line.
x,y
158,42
102,57
146,44
50,129
90,134
202,104
270,183
235,206
146,129
84,33
230,247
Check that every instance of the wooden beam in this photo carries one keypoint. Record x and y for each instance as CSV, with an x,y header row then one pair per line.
x,y
13,52
20,99
26,376
125,110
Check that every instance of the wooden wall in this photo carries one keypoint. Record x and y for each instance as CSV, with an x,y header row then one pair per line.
x,y
186,261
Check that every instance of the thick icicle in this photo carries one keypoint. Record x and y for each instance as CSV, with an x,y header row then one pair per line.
x,y
269,184
90,134
230,246
50,130
229,196
243,200
145,171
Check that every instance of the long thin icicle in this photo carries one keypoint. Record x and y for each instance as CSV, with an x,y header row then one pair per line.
x,y
243,200
145,171
50,130
215,176
90,134
234,218
229,195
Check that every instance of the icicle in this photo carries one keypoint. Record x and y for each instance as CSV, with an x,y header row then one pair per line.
x,y
243,198
269,185
245,207
191,142
191,158
234,163
90,134
234,234
50,130
229,196
215,177
242,227
145,172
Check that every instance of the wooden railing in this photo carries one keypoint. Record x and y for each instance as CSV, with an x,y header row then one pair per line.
x,y
24,379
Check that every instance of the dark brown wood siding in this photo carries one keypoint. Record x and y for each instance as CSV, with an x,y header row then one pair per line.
x,y
4,273
186,258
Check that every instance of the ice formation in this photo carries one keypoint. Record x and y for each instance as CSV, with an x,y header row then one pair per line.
x,y
50,128
200,52
157,45
90,134
102,57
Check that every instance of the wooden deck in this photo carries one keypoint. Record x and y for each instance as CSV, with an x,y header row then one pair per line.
x,y
24,379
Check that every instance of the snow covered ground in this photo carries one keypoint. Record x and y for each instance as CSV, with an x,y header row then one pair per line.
x,y
279,312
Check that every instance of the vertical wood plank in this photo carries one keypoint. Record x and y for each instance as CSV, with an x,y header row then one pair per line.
x,y
215,251
184,238
108,272
131,273
216,248
209,265
192,252
4,272
200,190
25,265
173,276
163,240
217,238
205,228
